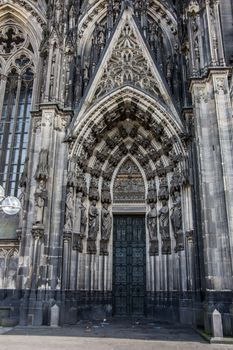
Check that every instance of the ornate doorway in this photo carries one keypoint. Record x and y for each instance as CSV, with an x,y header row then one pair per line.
x,y
129,266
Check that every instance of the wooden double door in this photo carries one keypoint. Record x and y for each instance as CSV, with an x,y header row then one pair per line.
x,y
129,266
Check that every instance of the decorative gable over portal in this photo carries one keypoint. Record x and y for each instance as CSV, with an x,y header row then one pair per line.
x,y
126,61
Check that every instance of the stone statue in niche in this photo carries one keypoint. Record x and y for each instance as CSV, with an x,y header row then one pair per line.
x,y
176,182
69,210
93,228
81,182
152,192
163,189
71,176
42,171
83,221
41,197
176,220
106,229
153,230
106,195
22,199
164,227
80,224
94,191
11,279
23,194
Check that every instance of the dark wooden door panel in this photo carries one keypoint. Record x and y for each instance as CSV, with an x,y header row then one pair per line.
x,y
129,265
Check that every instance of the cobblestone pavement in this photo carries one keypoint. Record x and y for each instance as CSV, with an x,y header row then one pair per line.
x,y
114,335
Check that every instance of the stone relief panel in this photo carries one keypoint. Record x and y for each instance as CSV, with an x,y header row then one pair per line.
x,y
8,267
129,185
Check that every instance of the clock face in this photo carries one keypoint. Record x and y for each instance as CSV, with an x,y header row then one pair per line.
x,y
11,205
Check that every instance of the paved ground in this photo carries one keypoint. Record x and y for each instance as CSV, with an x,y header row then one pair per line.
x,y
114,335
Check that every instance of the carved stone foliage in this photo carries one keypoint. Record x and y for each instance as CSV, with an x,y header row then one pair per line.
x,y
129,185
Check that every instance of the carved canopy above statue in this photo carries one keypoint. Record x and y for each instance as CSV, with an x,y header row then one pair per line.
x,y
129,185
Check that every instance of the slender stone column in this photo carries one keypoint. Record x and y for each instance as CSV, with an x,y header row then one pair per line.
x,y
66,262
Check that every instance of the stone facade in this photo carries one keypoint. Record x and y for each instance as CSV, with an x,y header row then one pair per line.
x,y
131,113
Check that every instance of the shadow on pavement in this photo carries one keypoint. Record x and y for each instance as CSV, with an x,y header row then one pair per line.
x,y
121,329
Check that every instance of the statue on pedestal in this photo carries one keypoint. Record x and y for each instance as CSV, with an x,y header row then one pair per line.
x,y
106,229
69,209
164,227
153,231
93,228
41,197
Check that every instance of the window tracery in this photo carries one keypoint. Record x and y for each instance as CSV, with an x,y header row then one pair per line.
x,y
17,77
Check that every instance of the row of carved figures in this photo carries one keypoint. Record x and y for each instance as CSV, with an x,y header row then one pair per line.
x,y
77,220
162,216
76,223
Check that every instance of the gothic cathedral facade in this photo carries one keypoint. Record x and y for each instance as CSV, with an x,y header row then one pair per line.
x,y
116,134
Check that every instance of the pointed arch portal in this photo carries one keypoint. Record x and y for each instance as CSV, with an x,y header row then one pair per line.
x,y
128,171
128,163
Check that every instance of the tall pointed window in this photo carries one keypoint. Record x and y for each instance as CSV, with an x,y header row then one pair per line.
x,y
17,52
14,126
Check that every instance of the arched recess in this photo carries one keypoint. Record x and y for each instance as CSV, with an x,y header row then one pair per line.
x,y
127,124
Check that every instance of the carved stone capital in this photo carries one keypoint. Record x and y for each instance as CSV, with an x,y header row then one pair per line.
x,y
67,236
19,234
38,232
189,236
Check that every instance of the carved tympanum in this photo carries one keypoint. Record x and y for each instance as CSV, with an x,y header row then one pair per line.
x,y
129,185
